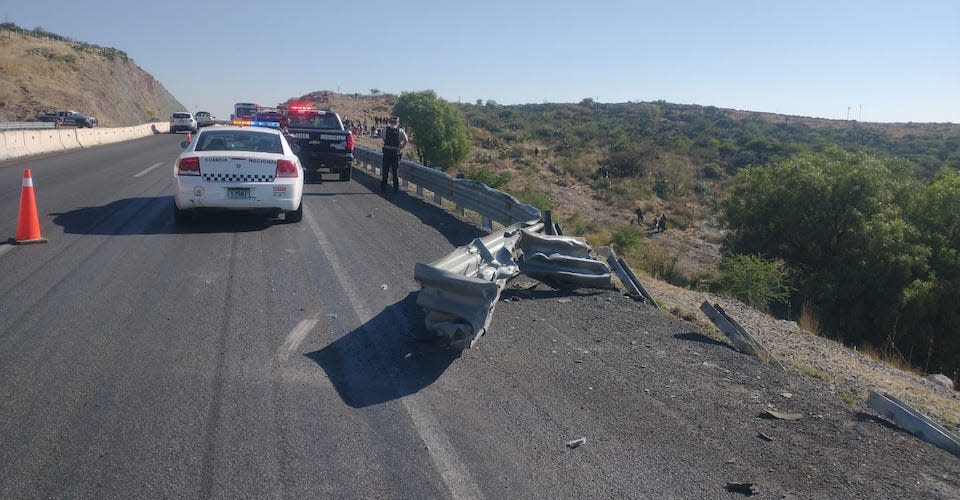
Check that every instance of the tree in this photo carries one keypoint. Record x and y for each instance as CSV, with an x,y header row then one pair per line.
x,y
837,219
437,128
755,280
931,316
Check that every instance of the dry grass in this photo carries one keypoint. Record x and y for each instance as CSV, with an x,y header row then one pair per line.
x,y
116,91
808,319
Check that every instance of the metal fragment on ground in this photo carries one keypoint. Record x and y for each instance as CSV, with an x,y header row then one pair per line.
x,y
914,422
781,415
748,489
576,442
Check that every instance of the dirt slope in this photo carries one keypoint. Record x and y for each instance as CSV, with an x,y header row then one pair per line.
x,y
40,73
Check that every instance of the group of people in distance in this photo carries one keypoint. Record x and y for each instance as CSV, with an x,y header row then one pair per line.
x,y
658,225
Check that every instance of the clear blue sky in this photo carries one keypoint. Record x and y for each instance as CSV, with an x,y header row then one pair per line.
x,y
897,61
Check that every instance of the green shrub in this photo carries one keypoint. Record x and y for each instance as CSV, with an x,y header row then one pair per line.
x,y
626,239
535,197
755,280
486,175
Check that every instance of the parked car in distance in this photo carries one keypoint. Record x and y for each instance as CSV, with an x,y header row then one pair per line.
x,y
204,119
182,120
82,121
238,169
77,118
269,115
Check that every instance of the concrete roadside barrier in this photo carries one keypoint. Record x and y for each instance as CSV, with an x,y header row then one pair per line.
x,y
30,141
15,145
19,143
47,140
69,138
85,137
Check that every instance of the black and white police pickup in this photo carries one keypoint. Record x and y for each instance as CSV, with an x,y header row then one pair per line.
x,y
320,140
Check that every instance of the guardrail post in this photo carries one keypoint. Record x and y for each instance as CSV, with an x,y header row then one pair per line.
x,y
548,223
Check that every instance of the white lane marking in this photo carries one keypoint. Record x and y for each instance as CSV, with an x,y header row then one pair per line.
x,y
295,337
151,167
453,472
5,248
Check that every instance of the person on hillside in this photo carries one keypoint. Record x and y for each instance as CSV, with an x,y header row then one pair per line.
x,y
394,139
662,223
639,212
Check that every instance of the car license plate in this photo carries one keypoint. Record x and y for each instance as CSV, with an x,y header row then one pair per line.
x,y
234,193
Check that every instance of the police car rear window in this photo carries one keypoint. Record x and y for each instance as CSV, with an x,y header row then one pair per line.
x,y
324,121
240,140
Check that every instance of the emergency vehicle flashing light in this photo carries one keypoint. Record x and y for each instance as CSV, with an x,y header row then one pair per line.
x,y
304,109
242,122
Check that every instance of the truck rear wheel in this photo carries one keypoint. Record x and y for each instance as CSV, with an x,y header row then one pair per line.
x,y
346,174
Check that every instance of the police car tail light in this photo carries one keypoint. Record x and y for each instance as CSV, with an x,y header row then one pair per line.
x,y
287,168
188,166
350,142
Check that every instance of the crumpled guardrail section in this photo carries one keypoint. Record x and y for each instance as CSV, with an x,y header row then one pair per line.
x,y
20,143
460,291
562,262
493,205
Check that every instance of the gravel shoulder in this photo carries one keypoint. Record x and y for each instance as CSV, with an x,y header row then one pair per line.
x,y
669,411
845,372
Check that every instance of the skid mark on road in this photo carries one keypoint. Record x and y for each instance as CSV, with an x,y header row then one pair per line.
x,y
293,340
444,456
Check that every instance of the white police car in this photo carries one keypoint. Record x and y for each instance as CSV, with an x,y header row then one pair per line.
x,y
238,168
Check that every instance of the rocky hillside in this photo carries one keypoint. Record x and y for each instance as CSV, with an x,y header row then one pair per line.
x,y
42,72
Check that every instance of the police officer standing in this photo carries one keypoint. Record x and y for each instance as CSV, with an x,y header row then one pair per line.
x,y
394,139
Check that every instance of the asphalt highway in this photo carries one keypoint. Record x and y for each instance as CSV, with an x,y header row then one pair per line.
x,y
247,357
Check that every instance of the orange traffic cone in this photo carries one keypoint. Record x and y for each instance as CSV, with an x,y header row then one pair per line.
x,y
28,226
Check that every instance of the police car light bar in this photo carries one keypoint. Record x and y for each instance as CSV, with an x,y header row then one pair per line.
x,y
254,123
303,109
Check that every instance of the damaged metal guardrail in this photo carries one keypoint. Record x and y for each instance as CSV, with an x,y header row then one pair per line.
x,y
561,262
914,422
492,205
741,340
459,291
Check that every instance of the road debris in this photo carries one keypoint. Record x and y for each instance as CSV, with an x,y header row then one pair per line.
x,y
764,436
786,395
331,315
384,286
576,442
748,489
781,415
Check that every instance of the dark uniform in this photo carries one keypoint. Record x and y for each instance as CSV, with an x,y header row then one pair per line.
x,y
393,138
